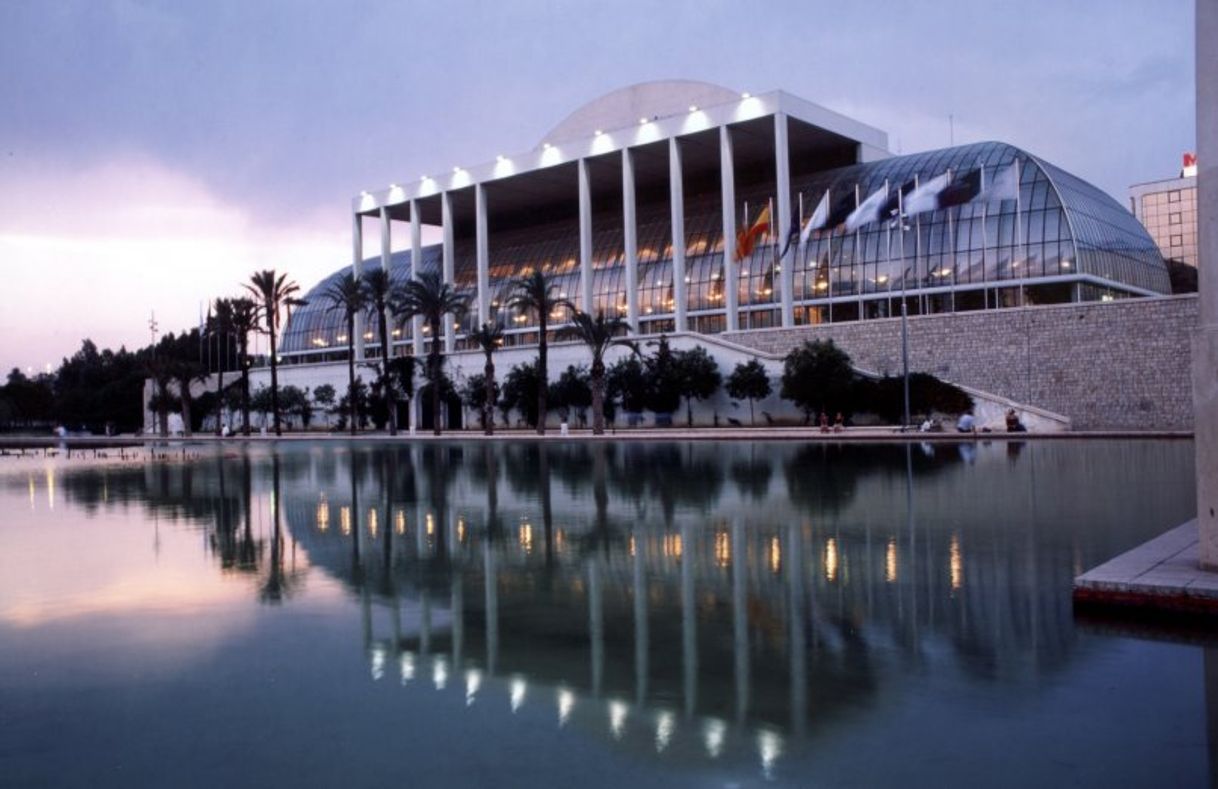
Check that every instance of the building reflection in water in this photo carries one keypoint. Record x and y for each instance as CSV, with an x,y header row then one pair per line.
x,y
723,601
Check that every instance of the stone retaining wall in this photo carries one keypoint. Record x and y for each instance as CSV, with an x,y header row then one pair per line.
x,y
1107,365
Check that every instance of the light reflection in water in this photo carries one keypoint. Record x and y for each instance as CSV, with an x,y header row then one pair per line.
x,y
666,724
617,718
765,639
518,689
566,702
955,562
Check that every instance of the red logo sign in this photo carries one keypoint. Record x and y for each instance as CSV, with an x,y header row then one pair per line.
x,y
1190,160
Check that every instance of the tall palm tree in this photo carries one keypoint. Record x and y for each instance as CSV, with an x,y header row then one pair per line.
x,y
535,293
220,328
431,298
488,337
599,334
273,290
378,290
348,296
244,322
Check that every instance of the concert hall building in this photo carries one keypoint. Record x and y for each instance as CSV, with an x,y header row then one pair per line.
x,y
634,203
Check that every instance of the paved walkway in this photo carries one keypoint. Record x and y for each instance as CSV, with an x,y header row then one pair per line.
x,y
1164,573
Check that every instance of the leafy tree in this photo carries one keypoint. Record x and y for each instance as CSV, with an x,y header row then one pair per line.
x,y
324,395
520,391
430,298
187,368
274,292
354,405
599,334
627,379
749,381
244,323
295,402
572,390
817,376
663,380
219,328
379,295
474,395
699,378
262,403
488,337
347,295
536,293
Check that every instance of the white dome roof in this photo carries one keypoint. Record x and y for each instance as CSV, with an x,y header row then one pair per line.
x,y
625,106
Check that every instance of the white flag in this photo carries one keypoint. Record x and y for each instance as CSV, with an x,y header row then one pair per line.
x,y
869,210
926,196
818,219
1005,185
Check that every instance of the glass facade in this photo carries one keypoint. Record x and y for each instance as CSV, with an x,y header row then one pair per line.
x,y
1063,240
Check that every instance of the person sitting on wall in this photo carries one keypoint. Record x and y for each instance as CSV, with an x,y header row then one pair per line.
x,y
1013,423
839,423
824,422
966,424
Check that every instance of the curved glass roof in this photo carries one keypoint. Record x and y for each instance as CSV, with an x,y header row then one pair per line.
x,y
1069,234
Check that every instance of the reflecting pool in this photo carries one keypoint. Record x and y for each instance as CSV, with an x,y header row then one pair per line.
x,y
592,614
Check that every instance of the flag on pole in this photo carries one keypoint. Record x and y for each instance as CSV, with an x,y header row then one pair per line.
x,y
925,197
818,220
894,207
745,239
869,210
964,189
792,233
1005,185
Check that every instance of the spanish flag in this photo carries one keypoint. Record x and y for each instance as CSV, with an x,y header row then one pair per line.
x,y
745,239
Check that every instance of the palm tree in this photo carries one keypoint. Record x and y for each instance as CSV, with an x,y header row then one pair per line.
x,y
220,327
378,291
274,291
599,334
488,337
430,298
348,296
534,293
244,321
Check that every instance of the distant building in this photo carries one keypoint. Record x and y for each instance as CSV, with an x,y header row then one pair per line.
x,y
1168,211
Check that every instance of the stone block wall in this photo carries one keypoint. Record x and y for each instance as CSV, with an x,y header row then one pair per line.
x,y
1122,364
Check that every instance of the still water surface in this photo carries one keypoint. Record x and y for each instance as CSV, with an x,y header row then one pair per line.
x,y
517,614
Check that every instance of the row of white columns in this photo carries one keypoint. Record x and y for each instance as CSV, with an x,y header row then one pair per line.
x,y
779,225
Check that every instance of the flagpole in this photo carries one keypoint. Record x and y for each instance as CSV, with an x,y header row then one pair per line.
x,y
1023,251
858,259
904,311
922,297
799,252
985,274
952,234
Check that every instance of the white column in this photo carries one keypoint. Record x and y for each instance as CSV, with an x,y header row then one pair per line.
x,y
386,259
357,270
482,245
676,192
585,239
782,222
727,166
1205,346
446,219
630,227
416,323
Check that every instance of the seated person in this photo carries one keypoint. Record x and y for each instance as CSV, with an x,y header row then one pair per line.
x,y
824,422
1013,423
839,422
966,424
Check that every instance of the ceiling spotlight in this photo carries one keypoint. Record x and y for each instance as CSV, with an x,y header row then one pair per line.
x,y
746,95
456,169
363,193
693,108
642,121
501,158
599,132
545,146
393,186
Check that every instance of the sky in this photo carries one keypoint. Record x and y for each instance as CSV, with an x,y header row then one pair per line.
x,y
154,154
